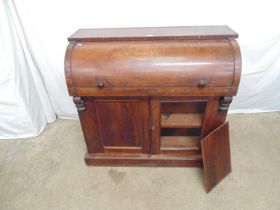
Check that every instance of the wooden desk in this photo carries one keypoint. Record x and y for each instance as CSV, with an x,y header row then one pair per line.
x,y
155,96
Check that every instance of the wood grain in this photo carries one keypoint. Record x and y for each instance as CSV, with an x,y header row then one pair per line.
x,y
216,156
183,107
120,122
179,141
102,159
181,120
153,91
153,33
155,96
155,125
129,64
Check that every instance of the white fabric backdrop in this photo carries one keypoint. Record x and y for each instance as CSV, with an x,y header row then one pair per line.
x,y
33,39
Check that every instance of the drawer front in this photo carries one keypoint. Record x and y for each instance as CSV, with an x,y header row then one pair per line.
x,y
144,64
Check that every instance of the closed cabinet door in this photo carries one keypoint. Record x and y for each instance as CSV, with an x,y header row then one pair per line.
x,y
120,125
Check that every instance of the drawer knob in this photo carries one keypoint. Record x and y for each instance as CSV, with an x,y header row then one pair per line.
x,y
202,83
100,84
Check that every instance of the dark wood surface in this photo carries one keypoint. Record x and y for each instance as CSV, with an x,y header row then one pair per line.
x,y
117,124
103,159
179,141
154,33
153,91
181,120
175,67
88,119
182,107
155,96
216,156
155,125
129,64
120,122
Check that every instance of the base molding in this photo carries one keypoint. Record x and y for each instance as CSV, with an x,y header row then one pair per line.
x,y
101,159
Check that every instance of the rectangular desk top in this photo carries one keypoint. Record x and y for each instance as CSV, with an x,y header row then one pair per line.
x,y
153,33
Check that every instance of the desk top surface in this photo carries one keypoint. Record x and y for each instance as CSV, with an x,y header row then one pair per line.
x,y
153,33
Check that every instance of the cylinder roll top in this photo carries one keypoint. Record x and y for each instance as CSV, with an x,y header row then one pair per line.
x,y
110,65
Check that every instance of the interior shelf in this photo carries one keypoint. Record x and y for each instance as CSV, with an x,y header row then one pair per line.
x,y
181,120
184,142
181,124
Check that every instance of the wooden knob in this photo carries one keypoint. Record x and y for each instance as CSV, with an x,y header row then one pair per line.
x,y
202,83
100,84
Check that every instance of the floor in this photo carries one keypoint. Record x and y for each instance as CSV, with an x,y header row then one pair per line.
x,y
48,172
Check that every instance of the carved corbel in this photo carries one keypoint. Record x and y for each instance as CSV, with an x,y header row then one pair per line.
x,y
225,103
80,103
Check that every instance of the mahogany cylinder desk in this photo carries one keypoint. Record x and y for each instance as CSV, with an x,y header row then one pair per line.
x,y
155,96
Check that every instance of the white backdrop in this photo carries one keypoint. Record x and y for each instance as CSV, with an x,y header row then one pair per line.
x,y
33,39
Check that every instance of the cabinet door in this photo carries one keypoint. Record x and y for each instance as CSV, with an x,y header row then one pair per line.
x,y
122,124
216,156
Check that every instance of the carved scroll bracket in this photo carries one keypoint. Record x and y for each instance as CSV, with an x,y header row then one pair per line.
x,y
225,103
80,103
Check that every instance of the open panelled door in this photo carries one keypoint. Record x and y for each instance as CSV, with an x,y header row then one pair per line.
x,y
216,156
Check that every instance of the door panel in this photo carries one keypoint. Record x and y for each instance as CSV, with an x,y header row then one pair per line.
x,y
216,156
120,122
123,124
